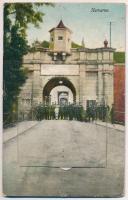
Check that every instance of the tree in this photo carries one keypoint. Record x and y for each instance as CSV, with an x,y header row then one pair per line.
x,y
45,44
119,57
17,17
75,45
36,44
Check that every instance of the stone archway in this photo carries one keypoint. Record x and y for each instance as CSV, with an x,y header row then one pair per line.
x,y
54,82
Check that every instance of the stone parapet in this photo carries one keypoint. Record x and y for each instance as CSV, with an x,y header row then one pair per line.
x,y
88,62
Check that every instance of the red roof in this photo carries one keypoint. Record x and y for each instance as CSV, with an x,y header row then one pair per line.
x,y
60,25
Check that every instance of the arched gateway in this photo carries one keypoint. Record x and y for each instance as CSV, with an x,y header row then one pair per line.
x,y
88,73
58,81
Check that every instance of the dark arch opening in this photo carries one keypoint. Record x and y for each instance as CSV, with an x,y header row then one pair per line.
x,y
57,81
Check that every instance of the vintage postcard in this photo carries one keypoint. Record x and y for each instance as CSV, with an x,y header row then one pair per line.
x,y
64,99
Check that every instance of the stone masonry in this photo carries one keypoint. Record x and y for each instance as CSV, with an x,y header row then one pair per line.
x,y
87,72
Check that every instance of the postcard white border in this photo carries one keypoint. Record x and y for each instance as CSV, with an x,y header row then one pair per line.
x,y
126,98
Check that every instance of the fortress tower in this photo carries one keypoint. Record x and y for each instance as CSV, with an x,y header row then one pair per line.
x,y
60,38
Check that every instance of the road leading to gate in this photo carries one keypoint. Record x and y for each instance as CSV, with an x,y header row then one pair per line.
x,y
33,161
63,143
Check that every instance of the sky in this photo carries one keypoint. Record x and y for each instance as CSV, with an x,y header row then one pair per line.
x,y
92,26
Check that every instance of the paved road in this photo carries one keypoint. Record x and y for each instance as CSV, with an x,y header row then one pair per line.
x,y
35,161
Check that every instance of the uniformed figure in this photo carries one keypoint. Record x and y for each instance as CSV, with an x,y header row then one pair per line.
x,y
60,112
80,112
112,114
104,113
52,112
46,112
38,113
42,112
100,112
85,116
107,112
65,112
70,112
88,111
76,112
91,112
97,112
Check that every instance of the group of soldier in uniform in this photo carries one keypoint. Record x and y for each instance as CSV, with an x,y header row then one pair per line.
x,y
100,112
66,112
71,112
74,112
44,112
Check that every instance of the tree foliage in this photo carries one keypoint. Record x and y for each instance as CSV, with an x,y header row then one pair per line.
x,y
45,44
36,44
119,57
17,17
75,45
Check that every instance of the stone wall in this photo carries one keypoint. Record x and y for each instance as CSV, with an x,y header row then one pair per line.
x,y
89,70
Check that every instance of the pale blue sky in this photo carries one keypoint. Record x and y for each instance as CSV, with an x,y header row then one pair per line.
x,y
93,26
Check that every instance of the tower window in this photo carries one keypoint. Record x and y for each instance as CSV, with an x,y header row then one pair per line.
x,y
60,38
52,39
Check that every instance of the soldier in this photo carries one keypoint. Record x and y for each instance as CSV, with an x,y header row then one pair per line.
x,y
96,112
64,111
88,113
61,112
46,112
112,114
75,112
52,112
104,112
80,113
38,113
49,112
93,113
107,112
42,112
100,112
67,112
70,112
85,116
